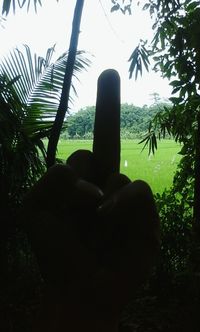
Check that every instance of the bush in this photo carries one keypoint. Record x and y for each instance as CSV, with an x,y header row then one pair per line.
x,y
172,269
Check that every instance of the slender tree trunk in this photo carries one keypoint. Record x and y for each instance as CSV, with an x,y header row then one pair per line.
x,y
196,212
63,106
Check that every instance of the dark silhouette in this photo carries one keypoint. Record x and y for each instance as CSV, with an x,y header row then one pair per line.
x,y
106,145
64,99
94,231
105,159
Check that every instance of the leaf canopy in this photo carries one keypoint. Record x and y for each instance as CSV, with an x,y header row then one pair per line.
x,y
38,81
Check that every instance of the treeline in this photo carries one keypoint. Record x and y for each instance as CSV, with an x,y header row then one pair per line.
x,y
134,121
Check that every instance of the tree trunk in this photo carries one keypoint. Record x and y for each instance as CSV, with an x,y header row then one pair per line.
x,y
63,106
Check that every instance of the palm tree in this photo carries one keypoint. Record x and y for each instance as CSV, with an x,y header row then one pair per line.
x,y
29,97
70,67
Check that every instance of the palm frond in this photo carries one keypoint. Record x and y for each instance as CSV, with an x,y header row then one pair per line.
x,y
21,3
40,83
20,161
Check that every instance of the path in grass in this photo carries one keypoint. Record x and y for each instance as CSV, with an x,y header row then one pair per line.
x,y
157,170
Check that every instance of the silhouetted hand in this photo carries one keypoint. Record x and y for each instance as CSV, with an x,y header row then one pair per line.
x,y
95,246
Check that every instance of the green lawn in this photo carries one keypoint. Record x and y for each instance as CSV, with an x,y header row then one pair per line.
x,y
156,169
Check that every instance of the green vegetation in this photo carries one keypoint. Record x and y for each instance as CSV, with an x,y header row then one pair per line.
x,y
174,50
158,170
26,116
134,120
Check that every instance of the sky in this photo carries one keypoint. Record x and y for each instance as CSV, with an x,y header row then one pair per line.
x,y
108,38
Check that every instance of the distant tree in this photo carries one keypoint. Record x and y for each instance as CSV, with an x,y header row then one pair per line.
x,y
81,123
134,121
155,97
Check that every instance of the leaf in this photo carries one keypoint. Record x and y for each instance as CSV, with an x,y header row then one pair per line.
x,y
146,6
175,90
162,38
146,143
15,79
154,143
133,58
38,82
144,57
175,83
176,100
138,58
192,6
21,4
128,9
150,145
115,8
6,7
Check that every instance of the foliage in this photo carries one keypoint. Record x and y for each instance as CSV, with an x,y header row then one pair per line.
x,y
40,82
123,6
134,121
176,232
176,213
138,59
81,123
30,92
175,51
7,5
20,163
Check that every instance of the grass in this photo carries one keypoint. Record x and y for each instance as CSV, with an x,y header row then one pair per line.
x,y
157,169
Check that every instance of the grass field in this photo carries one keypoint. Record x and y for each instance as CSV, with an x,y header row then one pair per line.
x,y
157,170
